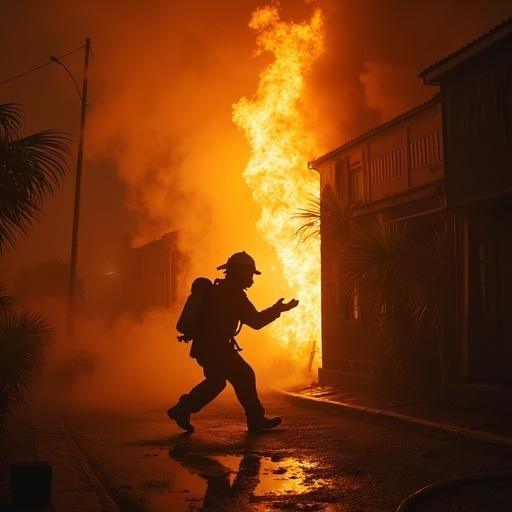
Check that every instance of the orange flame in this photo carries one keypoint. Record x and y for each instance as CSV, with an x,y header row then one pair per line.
x,y
277,172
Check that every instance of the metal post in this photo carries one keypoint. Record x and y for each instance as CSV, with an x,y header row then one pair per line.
x,y
76,213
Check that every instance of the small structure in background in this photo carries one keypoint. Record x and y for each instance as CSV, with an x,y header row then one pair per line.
x,y
147,276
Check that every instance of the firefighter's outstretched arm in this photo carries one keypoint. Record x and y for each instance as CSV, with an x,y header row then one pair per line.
x,y
283,306
257,320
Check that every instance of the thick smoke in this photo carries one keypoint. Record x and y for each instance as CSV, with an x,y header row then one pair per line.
x,y
162,152
375,51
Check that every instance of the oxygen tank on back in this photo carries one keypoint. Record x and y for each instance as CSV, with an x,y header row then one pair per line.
x,y
188,321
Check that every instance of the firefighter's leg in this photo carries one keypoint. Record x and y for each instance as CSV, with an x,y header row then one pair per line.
x,y
199,396
205,391
243,379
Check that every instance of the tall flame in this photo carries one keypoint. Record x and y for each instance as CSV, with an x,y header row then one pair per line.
x,y
277,172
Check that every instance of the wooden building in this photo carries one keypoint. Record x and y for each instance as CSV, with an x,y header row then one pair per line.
x,y
147,276
475,84
394,172
447,161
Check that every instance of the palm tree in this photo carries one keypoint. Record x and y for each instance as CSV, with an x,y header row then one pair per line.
x,y
30,169
5,300
404,284
24,343
331,218
432,298
377,267
328,215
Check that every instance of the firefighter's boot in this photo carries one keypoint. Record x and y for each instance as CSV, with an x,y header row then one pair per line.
x,y
181,415
257,423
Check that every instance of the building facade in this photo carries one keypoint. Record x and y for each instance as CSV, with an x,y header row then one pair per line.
x,y
475,84
147,276
392,173
447,162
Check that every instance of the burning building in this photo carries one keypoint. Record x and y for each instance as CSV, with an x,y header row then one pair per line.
x,y
445,165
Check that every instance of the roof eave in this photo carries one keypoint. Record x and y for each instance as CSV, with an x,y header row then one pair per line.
x,y
432,74
413,111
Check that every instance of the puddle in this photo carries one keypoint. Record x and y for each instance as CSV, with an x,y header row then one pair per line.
x,y
274,477
287,476
202,480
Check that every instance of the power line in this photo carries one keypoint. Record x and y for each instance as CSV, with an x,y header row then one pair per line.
x,y
39,67
57,60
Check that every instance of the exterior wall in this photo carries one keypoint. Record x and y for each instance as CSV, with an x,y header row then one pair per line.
x,y
395,171
388,163
477,110
402,170
477,117
399,159
489,324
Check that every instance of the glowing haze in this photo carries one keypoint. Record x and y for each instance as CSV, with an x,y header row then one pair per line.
x,y
189,128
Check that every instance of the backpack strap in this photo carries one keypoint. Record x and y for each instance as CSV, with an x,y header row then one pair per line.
x,y
236,346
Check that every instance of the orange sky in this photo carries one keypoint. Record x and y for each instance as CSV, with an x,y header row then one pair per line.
x,y
162,151
163,81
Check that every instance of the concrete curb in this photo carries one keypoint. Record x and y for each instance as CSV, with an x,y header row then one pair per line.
x,y
477,435
107,502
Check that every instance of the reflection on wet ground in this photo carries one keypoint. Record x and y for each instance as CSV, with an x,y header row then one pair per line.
x,y
287,476
274,476
243,478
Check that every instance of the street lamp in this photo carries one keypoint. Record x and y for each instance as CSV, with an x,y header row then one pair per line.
x,y
78,182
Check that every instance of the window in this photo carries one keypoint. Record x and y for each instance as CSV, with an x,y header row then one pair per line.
x,y
426,151
355,183
352,311
338,176
387,166
348,178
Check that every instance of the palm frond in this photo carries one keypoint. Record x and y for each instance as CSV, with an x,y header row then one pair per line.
x,y
25,339
11,120
6,301
328,215
30,170
375,263
432,294
311,220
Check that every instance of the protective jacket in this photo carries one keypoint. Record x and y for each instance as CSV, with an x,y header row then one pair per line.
x,y
226,308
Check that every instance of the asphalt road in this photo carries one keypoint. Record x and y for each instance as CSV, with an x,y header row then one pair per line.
x,y
316,460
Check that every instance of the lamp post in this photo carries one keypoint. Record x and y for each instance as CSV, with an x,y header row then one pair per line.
x,y
78,185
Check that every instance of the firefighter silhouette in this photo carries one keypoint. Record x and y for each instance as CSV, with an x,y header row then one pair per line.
x,y
224,308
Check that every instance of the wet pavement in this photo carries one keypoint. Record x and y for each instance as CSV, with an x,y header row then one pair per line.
x,y
39,436
490,428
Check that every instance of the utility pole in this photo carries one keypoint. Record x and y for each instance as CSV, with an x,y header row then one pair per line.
x,y
76,212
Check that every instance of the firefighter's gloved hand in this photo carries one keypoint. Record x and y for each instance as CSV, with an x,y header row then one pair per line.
x,y
282,306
